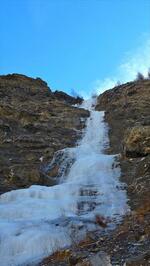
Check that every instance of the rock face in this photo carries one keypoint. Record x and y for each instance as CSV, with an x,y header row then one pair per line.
x,y
127,106
137,141
34,123
128,115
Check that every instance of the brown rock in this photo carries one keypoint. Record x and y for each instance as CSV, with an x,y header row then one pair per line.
x,y
126,106
34,124
127,112
137,141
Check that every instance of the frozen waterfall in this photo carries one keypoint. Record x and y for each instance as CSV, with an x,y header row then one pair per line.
x,y
37,221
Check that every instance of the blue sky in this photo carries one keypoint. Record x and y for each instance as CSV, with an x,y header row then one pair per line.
x,y
75,44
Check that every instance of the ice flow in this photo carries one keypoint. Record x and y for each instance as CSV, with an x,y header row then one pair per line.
x,y
36,221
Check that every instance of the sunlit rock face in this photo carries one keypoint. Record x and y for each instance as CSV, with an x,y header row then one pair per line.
x,y
34,123
127,106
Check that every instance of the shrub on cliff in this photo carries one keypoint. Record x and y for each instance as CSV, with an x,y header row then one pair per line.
x,y
140,76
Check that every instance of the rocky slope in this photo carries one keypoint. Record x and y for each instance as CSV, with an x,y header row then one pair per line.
x,y
128,116
127,112
34,124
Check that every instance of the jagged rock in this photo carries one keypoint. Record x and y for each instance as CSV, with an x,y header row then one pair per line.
x,y
34,123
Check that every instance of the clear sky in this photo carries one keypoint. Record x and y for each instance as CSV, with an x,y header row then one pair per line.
x,y
75,44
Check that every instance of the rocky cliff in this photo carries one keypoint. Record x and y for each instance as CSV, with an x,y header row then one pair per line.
x,y
34,124
127,112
